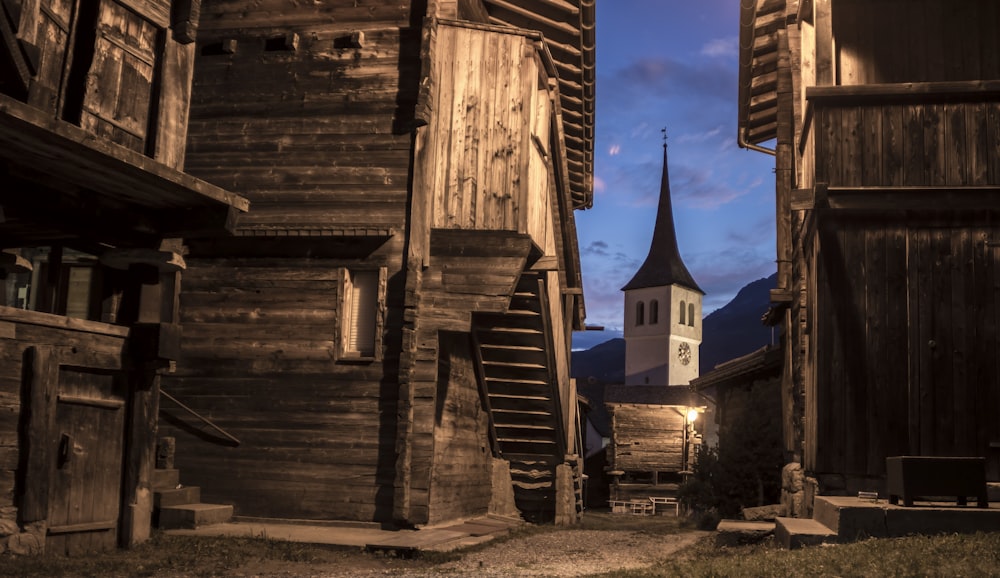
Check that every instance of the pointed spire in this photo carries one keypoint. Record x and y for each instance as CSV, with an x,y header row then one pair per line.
x,y
663,266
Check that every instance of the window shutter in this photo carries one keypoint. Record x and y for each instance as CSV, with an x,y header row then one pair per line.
x,y
364,303
120,84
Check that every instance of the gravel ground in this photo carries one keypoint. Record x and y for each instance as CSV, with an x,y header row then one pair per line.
x,y
561,553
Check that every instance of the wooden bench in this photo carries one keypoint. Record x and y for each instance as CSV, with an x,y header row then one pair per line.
x,y
638,507
910,477
658,501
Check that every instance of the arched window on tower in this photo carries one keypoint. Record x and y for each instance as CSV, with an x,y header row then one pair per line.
x,y
654,312
683,310
640,313
691,314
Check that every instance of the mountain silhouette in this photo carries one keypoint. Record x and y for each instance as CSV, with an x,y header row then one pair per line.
x,y
728,332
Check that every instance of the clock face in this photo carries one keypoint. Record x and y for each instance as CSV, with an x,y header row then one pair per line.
x,y
684,353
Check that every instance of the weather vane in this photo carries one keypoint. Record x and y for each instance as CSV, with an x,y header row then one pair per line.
x,y
664,131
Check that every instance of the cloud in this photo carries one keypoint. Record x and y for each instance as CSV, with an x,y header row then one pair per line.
x,y
700,137
599,248
666,77
701,188
728,47
599,185
614,150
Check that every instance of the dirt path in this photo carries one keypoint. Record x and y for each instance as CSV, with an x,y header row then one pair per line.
x,y
561,553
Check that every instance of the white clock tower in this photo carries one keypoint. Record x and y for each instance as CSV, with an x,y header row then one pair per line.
x,y
662,308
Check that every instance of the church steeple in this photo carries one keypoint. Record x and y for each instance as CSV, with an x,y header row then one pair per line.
x,y
663,265
662,308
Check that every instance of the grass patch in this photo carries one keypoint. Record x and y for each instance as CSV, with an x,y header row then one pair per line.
x,y
163,554
944,555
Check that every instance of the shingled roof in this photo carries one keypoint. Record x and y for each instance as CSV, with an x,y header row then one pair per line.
x,y
663,265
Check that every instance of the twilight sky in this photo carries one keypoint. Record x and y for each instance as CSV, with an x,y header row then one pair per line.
x,y
673,64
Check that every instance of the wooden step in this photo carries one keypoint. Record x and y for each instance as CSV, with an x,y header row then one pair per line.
x,y
514,387
512,353
514,418
538,433
194,515
520,403
165,497
797,532
166,479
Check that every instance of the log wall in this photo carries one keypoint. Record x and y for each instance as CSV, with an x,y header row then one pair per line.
x,y
307,112
259,358
647,438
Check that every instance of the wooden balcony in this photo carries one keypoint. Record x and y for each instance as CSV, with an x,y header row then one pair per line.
x,y
921,136
494,144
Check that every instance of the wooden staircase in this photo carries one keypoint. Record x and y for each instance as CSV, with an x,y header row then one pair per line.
x,y
178,506
520,396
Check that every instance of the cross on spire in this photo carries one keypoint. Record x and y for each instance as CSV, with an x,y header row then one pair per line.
x,y
664,131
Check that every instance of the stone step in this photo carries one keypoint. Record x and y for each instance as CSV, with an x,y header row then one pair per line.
x,y
793,533
738,532
194,515
166,479
163,498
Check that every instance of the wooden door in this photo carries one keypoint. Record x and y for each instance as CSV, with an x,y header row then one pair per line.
x,y
85,453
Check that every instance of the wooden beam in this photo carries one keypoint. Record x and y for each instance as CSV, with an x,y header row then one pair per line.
x,y
893,199
825,51
971,90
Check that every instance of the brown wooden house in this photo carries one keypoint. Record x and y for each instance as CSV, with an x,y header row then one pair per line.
x,y
93,206
654,437
884,118
387,334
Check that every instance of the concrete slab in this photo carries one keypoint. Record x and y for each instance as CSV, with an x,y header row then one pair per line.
x,y
737,532
853,518
329,533
794,533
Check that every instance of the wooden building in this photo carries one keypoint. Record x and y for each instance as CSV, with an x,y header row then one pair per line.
x,y
93,206
653,438
884,118
387,333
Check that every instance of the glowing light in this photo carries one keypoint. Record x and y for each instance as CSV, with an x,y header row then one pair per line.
x,y
692,414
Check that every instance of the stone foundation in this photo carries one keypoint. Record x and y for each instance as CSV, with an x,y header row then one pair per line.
x,y
30,540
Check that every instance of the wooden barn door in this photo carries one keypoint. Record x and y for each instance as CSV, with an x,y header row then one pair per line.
x,y
86,449
76,432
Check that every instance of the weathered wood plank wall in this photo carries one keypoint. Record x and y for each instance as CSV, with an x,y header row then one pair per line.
x,y
488,174
889,41
907,144
908,342
647,438
26,437
460,480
